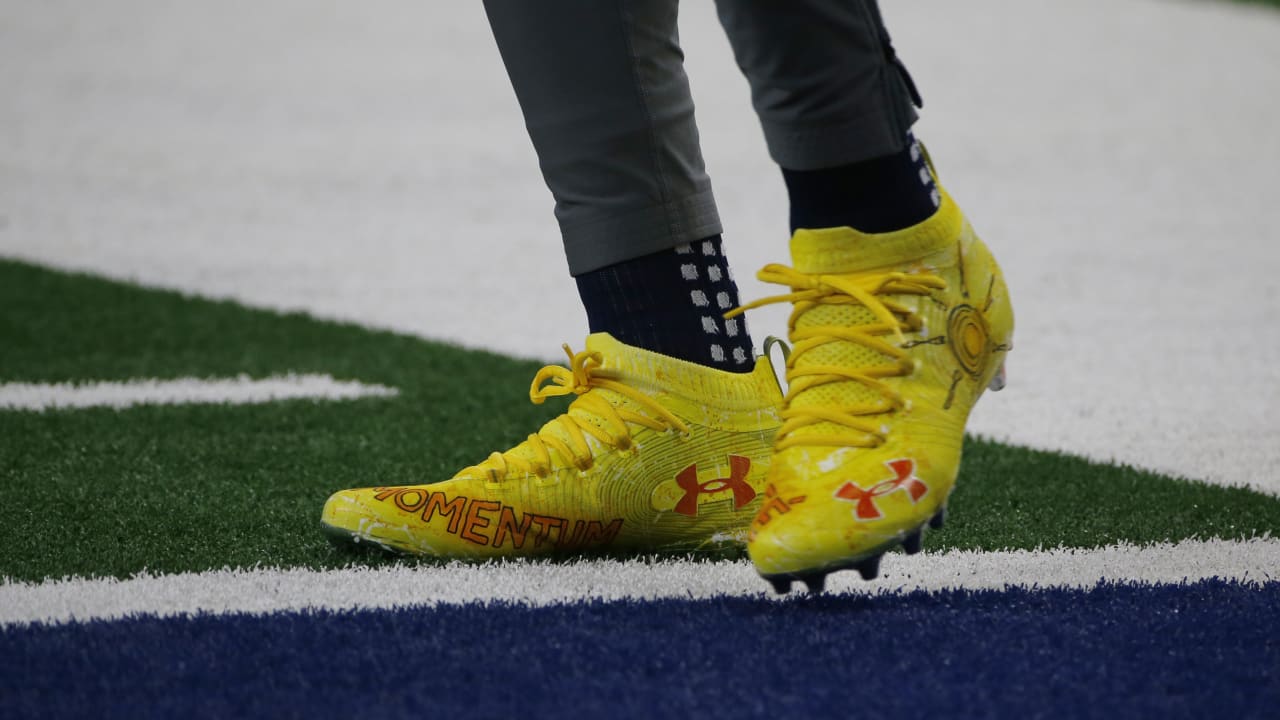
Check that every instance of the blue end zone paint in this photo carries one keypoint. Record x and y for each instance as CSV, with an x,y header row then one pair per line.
x,y
1198,650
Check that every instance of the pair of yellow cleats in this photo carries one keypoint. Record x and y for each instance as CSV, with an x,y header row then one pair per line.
x,y
894,337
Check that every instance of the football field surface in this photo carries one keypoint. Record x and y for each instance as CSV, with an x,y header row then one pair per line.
x,y
252,253
134,528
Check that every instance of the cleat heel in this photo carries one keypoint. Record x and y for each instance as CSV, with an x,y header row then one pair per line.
x,y
914,542
781,585
869,569
937,521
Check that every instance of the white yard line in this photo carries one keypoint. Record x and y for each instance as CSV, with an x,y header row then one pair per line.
x,y
241,390
266,591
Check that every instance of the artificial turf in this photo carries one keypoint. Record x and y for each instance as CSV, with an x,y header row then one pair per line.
x,y
100,492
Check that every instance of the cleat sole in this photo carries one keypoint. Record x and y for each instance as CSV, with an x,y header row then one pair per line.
x,y
937,521
815,583
781,585
914,542
998,382
347,540
869,569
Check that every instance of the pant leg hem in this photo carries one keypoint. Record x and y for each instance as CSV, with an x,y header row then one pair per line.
x,y
608,240
874,134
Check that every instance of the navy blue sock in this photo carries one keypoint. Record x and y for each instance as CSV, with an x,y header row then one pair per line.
x,y
877,195
672,302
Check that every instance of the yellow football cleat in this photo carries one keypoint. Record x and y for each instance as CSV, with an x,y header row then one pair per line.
x,y
655,454
895,336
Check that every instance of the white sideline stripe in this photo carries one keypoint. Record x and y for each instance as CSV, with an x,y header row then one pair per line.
x,y
262,591
240,390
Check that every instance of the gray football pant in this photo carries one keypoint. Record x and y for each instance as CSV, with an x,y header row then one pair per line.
x,y
602,87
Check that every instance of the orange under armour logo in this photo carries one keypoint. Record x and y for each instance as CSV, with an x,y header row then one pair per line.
x,y
687,480
904,478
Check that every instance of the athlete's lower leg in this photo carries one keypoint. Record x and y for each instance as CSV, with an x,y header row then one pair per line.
x,y
607,105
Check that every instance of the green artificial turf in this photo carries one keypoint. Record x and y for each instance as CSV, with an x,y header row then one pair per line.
x,y
100,492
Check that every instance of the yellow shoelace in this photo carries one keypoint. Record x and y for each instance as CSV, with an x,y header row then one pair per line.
x,y
583,374
810,291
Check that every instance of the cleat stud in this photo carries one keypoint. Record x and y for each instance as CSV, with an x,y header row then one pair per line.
x,y
869,569
998,382
781,585
937,521
815,583
913,543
